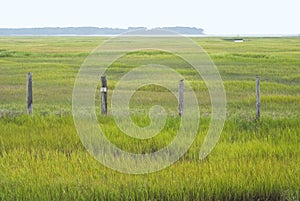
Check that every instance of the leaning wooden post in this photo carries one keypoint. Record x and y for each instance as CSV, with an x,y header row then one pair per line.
x,y
180,97
257,98
103,91
29,94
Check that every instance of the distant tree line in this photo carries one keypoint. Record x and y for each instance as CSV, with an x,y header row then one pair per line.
x,y
93,30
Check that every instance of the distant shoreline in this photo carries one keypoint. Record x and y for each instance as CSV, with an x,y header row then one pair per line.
x,y
77,31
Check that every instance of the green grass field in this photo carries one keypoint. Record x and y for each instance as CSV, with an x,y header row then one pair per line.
x,y
42,158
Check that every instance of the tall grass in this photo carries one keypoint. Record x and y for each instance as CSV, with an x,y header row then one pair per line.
x,y
42,157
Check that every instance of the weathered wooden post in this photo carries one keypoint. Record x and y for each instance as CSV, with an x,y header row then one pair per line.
x,y
103,91
257,98
29,94
180,97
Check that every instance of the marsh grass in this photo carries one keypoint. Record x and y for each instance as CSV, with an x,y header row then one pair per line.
x,y
42,157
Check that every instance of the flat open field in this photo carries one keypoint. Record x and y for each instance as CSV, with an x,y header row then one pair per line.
x,y
42,157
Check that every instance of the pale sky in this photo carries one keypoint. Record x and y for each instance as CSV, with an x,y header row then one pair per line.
x,y
214,16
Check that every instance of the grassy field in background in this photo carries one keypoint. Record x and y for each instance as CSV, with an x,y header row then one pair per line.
x,y
42,158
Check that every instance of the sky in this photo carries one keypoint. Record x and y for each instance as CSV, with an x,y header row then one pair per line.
x,y
214,16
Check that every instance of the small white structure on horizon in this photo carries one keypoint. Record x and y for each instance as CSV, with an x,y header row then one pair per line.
x,y
238,40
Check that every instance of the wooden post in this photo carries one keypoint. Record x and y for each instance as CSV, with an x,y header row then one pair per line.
x,y
180,97
103,91
29,94
257,98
